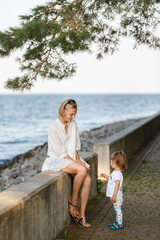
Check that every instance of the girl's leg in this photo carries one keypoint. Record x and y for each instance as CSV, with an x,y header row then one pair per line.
x,y
119,215
80,172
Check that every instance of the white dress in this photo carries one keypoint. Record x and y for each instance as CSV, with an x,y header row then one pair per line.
x,y
61,144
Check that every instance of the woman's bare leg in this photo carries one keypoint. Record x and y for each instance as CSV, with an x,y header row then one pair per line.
x,y
80,172
85,191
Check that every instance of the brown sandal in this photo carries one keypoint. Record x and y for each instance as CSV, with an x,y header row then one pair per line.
x,y
70,203
81,224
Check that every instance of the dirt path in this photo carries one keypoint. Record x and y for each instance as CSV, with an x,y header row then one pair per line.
x,y
141,207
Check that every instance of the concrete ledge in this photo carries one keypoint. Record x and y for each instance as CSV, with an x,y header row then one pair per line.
x,y
129,140
38,209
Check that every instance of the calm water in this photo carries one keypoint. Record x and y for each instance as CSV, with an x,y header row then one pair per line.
x,y
25,119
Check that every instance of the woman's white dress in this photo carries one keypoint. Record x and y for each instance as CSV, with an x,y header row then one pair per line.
x,y
61,144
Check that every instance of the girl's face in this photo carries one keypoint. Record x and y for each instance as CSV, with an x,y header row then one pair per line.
x,y
113,164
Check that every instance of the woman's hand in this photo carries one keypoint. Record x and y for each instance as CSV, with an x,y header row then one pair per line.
x,y
81,162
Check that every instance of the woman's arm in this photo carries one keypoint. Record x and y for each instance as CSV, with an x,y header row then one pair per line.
x,y
113,199
77,156
78,159
78,141
68,157
78,145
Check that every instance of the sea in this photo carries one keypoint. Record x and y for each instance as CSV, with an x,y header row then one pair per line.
x,y
26,118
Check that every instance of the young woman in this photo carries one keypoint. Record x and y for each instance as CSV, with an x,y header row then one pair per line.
x,y
63,145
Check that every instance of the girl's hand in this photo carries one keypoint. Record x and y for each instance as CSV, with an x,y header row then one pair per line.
x,y
113,199
104,176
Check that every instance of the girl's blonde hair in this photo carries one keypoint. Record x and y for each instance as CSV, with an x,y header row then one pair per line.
x,y
67,104
120,158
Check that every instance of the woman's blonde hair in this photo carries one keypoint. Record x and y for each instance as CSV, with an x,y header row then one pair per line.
x,y
120,158
67,104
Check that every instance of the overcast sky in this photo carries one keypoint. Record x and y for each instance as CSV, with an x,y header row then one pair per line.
x,y
127,71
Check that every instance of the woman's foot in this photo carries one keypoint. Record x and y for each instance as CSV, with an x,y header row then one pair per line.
x,y
73,209
83,223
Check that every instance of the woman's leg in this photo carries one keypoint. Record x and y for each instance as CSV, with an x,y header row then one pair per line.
x,y
80,172
85,191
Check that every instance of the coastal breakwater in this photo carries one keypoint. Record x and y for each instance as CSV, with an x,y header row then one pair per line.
x,y
130,140
38,208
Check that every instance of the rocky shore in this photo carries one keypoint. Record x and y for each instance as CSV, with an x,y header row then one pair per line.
x,y
28,164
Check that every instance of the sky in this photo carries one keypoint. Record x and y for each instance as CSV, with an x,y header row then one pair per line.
x,y
127,71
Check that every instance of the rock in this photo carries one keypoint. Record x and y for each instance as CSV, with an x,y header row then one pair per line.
x,y
17,180
5,177
14,174
31,173
84,134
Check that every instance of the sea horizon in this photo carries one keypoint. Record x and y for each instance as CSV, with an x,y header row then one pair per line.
x,y
25,118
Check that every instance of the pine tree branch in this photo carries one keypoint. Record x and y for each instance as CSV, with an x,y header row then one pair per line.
x,y
58,28
61,10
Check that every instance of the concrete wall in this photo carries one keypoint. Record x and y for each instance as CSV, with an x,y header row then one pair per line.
x,y
129,140
38,209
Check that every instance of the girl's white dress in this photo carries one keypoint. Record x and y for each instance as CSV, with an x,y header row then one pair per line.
x,y
61,144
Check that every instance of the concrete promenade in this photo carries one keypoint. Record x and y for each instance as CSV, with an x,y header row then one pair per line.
x,y
141,207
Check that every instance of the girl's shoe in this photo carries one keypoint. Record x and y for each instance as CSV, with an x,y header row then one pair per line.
x,y
112,224
117,226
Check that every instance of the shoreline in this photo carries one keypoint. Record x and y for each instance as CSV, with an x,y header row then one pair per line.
x,y
28,164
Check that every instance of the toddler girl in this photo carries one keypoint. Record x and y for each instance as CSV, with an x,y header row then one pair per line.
x,y
114,186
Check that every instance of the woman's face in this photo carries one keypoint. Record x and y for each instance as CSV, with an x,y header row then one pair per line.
x,y
69,114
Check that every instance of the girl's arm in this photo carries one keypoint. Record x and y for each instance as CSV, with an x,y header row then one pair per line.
x,y
104,176
113,199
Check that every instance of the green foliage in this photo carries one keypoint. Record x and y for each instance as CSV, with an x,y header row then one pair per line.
x,y
100,184
66,233
58,28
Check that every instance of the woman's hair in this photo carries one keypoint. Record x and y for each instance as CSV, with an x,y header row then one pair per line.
x,y
120,158
67,104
